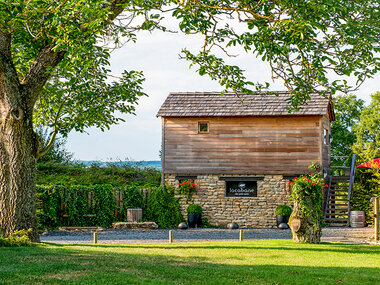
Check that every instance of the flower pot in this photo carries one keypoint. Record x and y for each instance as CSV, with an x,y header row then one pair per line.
x,y
282,219
194,220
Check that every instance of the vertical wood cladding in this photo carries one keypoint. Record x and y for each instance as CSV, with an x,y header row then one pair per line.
x,y
238,145
326,146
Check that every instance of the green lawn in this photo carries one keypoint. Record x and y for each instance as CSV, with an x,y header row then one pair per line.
x,y
250,262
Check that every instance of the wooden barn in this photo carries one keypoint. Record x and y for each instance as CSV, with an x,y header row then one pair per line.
x,y
242,151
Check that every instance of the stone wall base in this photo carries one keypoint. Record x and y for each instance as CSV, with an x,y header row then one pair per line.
x,y
249,212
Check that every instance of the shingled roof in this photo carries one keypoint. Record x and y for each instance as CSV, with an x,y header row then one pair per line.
x,y
203,104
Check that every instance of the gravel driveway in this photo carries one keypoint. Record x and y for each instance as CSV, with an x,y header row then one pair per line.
x,y
351,235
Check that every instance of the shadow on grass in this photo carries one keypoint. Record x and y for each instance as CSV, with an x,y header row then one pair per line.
x,y
247,245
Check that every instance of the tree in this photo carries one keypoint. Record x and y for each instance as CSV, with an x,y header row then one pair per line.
x,y
57,152
367,147
302,41
347,110
54,57
367,132
51,66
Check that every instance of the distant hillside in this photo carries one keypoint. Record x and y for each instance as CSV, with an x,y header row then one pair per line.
x,y
149,163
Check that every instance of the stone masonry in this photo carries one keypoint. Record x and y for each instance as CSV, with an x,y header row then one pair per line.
x,y
249,212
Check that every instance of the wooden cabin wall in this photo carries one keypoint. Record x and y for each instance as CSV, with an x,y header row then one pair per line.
x,y
242,145
326,147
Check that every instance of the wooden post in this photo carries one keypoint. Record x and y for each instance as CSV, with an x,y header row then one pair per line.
x,y
241,235
376,217
95,237
170,236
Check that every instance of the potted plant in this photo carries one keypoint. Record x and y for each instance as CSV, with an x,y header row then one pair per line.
x,y
283,213
194,215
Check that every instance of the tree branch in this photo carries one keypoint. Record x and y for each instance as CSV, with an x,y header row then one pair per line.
x,y
48,59
117,7
46,148
38,73
10,95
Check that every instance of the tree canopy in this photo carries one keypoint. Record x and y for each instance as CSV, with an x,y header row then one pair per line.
x,y
303,42
368,131
347,110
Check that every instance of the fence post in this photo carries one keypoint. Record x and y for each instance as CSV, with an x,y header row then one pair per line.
x,y
376,217
241,235
170,236
95,237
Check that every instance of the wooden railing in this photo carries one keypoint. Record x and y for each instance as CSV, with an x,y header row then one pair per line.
x,y
352,178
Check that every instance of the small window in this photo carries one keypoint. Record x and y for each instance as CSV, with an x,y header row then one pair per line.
x,y
203,127
325,136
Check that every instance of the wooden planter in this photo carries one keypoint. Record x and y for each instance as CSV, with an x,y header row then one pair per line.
x,y
134,215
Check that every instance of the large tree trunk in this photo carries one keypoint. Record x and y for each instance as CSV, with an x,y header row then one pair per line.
x,y
18,150
304,228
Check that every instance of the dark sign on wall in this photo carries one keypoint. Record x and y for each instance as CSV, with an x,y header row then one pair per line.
x,y
241,188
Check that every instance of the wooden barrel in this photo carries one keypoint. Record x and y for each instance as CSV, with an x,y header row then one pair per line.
x,y
357,219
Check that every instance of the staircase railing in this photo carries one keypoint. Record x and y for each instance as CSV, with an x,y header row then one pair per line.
x,y
351,181
352,177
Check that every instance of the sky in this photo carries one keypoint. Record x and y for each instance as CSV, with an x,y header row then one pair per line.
x,y
157,55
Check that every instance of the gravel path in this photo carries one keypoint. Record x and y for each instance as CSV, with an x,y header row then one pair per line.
x,y
350,235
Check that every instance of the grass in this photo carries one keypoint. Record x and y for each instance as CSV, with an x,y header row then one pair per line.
x,y
250,262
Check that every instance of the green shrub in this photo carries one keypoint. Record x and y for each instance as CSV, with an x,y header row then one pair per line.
x,y
194,209
17,238
307,195
163,208
284,210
